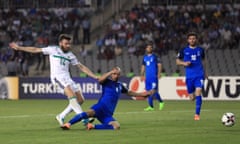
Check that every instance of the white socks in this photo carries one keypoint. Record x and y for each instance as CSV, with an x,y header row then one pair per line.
x,y
72,106
75,105
66,111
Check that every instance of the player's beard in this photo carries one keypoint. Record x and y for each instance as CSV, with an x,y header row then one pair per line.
x,y
64,50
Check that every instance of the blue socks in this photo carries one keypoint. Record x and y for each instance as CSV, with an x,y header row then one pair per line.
x,y
158,97
150,101
198,104
84,115
78,118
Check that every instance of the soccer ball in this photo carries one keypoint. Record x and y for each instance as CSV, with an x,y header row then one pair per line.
x,y
228,119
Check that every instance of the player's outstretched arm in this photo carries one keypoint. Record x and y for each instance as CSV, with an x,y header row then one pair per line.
x,y
15,46
103,77
87,71
142,94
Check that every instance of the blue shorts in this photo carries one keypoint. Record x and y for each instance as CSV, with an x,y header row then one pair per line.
x,y
151,84
102,114
193,83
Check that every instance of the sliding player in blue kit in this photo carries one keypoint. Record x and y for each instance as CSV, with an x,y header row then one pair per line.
x,y
151,68
192,57
104,109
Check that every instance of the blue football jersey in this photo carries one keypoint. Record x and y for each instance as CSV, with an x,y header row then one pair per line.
x,y
111,92
195,56
151,65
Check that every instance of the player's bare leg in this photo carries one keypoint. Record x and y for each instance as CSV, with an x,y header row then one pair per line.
x,y
198,91
60,117
73,100
192,97
80,97
114,125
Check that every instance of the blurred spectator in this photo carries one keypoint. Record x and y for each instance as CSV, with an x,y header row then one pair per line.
x,y
86,26
131,49
165,26
226,36
42,41
99,44
117,50
25,65
83,51
11,67
37,26
206,44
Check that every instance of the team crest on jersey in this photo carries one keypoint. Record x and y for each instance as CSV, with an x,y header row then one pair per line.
x,y
193,57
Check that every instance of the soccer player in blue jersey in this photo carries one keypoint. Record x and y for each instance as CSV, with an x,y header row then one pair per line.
x,y
192,57
152,68
104,109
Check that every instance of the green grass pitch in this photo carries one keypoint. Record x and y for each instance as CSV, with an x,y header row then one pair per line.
x,y
33,122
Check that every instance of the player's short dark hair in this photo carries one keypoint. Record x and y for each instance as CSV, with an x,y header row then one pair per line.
x,y
64,36
191,34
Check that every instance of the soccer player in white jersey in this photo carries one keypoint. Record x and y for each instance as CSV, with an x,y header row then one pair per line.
x,y
60,58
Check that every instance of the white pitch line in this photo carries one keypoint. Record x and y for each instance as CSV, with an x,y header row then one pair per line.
x,y
117,113
24,116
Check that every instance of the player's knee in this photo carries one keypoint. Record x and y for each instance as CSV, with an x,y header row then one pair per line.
x,y
81,101
90,113
198,92
80,98
116,127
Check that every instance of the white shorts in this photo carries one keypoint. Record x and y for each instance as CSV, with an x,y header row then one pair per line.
x,y
63,81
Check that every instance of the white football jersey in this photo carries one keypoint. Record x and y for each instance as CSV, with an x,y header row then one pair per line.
x,y
59,61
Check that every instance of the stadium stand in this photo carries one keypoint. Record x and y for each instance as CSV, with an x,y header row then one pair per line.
x,y
218,33
126,28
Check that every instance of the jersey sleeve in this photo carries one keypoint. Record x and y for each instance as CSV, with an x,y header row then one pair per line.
x,y
180,54
75,61
48,50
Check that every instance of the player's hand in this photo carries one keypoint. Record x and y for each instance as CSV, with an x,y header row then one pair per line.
x,y
13,45
115,70
188,63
